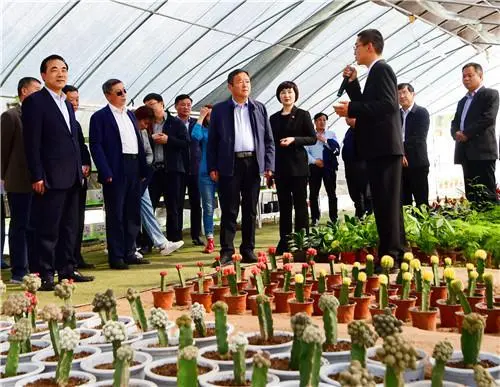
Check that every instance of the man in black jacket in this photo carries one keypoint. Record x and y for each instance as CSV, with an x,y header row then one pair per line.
x,y
473,129
378,137
415,161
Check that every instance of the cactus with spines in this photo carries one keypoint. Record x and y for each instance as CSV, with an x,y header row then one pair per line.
x,y
482,377
488,281
383,297
313,339
398,355
265,317
344,291
331,263
16,305
408,256
416,269
287,257
159,321
387,263
163,274
435,269
272,257
198,316
449,277
105,305
305,269
137,309
362,337
237,266
355,271
68,341
182,282
52,314
313,272
471,285
261,364
31,284
469,266
220,312
370,266
360,285
328,305
299,322
259,284
114,332
187,367
299,287
386,324
344,272
472,338
287,267
356,376
18,336
238,349
121,374
447,262
64,290
426,290
185,331
480,256
458,291
403,269
68,316
442,353
230,274
322,281
405,293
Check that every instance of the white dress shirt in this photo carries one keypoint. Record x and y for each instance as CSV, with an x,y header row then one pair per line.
x,y
405,114
243,134
468,101
61,104
126,129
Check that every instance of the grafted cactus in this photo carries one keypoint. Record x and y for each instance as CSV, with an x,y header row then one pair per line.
x,y
362,337
397,354
482,377
115,333
121,375
426,290
383,296
299,287
287,267
488,280
449,277
265,317
331,263
416,269
442,353
386,324
105,305
356,376
261,364
64,290
187,369
68,316
472,338
472,280
387,263
68,341
360,285
370,267
52,314
16,305
344,291
344,272
182,282
328,305
310,359
220,311
405,293
311,267
403,269
355,271
185,331
31,284
159,321
447,262
137,309
230,274
198,316
299,322
480,256
458,291
238,350
237,266
20,333
272,257
257,275
435,269
322,281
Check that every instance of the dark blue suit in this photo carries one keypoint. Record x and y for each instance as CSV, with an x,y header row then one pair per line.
x,y
53,153
122,196
239,177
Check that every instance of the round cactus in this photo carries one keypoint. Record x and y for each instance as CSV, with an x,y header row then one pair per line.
x,y
386,324
299,322
21,331
483,377
356,376
31,283
328,301
158,318
362,337
398,355
188,353
65,289
114,331
16,305
51,312
69,339
104,301
125,353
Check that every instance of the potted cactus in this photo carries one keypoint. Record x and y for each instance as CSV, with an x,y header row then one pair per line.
x,y
387,263
345,311
184,323
442,353
104,304
17,306
124,357
425,316
372,280
316,294
137,309
201,292
474,296
333,278
282,296
356,266
236,300
206,281
356,375
438,289
313,339
396,347
300,303
204,332
480,257
361,299
31,284
272,257
260,289
449,306
183,290
490,308
362,337
220,289
403,301
383,298
52,314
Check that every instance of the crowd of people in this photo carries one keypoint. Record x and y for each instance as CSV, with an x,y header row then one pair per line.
x,y
145,155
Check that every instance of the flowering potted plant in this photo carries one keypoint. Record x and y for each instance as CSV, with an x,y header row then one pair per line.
x,y
282,296
235,300
182,291
345,310
425,316
383,298
221,288
403,301
202,294
490,308
450,305
361,299
207,280
333,278
300,303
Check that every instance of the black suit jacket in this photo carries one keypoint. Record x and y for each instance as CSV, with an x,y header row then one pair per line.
x,y
479,127
292,160
176,150
378,123
84,150
415,142
52,150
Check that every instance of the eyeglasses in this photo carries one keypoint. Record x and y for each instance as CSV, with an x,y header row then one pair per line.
x,y
119,93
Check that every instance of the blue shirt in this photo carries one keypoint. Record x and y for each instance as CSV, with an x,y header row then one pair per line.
x,y
315,152
243,134
468,101
200,133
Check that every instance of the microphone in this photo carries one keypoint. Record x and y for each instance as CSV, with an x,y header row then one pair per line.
x,y
343,85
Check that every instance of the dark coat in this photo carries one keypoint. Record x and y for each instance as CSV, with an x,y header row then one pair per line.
x,y
415,142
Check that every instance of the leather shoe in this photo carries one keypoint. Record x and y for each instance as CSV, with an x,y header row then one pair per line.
x,y
226,259
137,261
85,265
47,286
248,257
198,242
120,265
78,277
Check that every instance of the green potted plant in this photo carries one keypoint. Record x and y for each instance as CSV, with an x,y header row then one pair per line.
x,y
163,298
425,316
183,290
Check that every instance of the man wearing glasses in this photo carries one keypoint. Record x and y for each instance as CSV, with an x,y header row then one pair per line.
x,y
118,153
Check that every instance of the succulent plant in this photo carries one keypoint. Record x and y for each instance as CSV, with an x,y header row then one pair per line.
x,y
426,290
343,271
259,284
53,315
105,305
220,311
238,350
344,291
482,377
299,322
435,269
328,305
355,271
185,331
397,354
480,256
68,316
231,278
159,320
322,281
121,375
299,287
488,280
472,338
447,262
163,274
114,332
370,266
182,282
457,288
16,305
416,270
20,334
362,337
356,376
442,353
137,309
386,324
383,296
287,268
408,256
261,364
405,293
64,290
187,369
387,263
198,316
403,269
331,263
472,280
265,317
310,359
68,341
360,285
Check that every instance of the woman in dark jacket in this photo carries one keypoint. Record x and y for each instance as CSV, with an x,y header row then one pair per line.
x,y
292,129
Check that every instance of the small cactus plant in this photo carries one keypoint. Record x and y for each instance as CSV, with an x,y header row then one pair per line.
x,y
17,306
299,287
344,291
287,257
310,359
488,281
447,262
68,341
187,368
262,264
305,269
322,281
220,311
137,309
370,266
124,357
435,269
362,337
397,354
480,256
472,280
159,320
115,333
405,292
287,267
265,317
449,276
483,378
231,278
182,282
68,316
416,269
299,322
383,297
198,316
387,263
238,350
442,353
328,305
185,331
237,266
64,290
259,284
20,333
261,364
105,305
355,271
344,272
313,272
31,284
272,257
360,285
163,274
426,290
331,263
472,338
403,269
356,375
386,324
457,288
53,315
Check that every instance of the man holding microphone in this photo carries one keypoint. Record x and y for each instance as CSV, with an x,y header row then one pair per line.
x,y
378,137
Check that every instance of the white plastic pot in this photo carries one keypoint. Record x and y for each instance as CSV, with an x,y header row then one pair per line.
x,y
83,317
466,376
128,321
27,369
94,332
131,383
289,375
24,357
171,381
137,371
75,364
43,329
336,368
157,352
428,383
46,375
5,325
338,357
272,349
296,383
211,380
410,375
224,365
100,341
202,342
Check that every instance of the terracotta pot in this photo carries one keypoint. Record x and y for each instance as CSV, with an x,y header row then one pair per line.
x,y
252,303
438,293
163,300
447,314
479,291
216,281
299,256
236,304
204,299
371,283
390,292
218,293
361,255
374,309
361,311
493,317
269,289
332,280
418,296
275,275
281,301
243,273
345,313
424,320
250,292
348,257
459,319
403,306
183,295
307,290
242,285
336,290
316,296
313,283
297,307
207,282
475,299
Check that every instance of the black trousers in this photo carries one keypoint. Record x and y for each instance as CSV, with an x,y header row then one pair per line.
x,y
292,194
20,234
479,172
55,220
243,187
2,226
122,202
158,187
415,186
195,205
329,179
356,177
82,198
176,189
384,176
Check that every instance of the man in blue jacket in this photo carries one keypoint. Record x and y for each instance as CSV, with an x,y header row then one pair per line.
x,y
240,148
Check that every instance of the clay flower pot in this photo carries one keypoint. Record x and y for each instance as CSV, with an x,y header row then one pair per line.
x,y
207,282
424,320
216,280
361,311
297,307
316,310
252,303
390,292
348,257
438,293
307,289
183,295
242,285
372,283
332,280
275,275
447,314
204,299
163,300
403,306
218,293
459,319
314,284
281,301
479,291
345,313
375,309
336,290
236,304
475,299
269,289
493,317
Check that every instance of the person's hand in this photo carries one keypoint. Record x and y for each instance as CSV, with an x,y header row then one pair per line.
x,y
405,162
39,187
214,175
341,108
286,141
350,121
268,173
319,163
350,72
321,138
160,138
461,137
108,180
86,170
